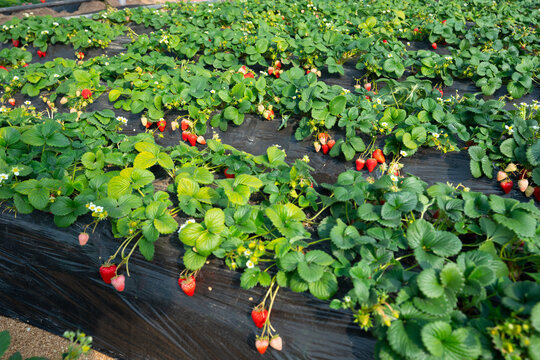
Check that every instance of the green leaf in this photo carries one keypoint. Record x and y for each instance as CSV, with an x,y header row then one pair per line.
x,y
193,261
165,224
118,186
535,317
146,248
405,339
452,278
5,340
325,287
477,153
441,341
248,180
533,153
250,278
337,105
190,233
310,272
145,160
207,242
214,219
39,198
429,284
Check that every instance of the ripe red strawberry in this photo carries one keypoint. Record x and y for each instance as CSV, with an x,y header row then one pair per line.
x,y
276,74
325,149
444,22
185,135
25,65
3,68
323,138
107,272
367,86
277,64
331,144
259,316
385,41
83,238
185,124
86,93
227,174
537,193
80,55
161,124
442,93
261,344
16,43
434,46
416,30
188,285
360,164
249,75
378,155
148,124
11,101
276,342
523,184
192,138
506,185
119,282
43,1
371,163
270,70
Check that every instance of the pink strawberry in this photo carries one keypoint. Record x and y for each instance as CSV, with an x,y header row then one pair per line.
x,y
523,184
83,238
11,101
277,64
371,163
323,138
261,344
331,144
317,146
201,140
107,272
367,86
119,282
360,164
444,22
186,124
506,185
270,70
276,342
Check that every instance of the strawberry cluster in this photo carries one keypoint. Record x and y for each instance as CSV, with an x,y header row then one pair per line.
x,y
325,143
276,69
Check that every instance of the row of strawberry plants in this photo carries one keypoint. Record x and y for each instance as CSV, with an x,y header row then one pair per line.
x,y
425,267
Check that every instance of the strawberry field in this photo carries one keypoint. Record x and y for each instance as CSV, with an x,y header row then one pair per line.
x,y
304,180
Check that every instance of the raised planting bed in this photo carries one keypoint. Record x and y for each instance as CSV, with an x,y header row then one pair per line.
x,y
382,160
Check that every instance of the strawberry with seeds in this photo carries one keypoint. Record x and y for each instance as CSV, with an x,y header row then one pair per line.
x,y
192,138
107,272
371,163
323,138
188,285
86,93
186,124
161,124
83,238
506,185
276,342
119,282
259,315
378,155
16,43
261,344
11,101
325,149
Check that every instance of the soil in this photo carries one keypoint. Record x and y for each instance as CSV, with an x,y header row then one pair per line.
x,y
31,341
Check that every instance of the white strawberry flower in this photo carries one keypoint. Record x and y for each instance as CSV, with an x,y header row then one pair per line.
x,y
15,78
403,153
122,119
250,264
247,252
436,135
189,221
44,32
394,178
15,171
99,209
3,177
27,102
212,91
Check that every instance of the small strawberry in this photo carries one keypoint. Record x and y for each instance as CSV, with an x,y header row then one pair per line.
x,y
107,272
268,114
174,125
39,53
43,1
378,155
276,342
416,30
11,101
323,138
86,93
523,184
511,167
385,41
325,149
3,68
276,74
185,135
537,193
261,344
243,69
119,282
270,70
277,64
148,124
80,55
25,65
367,86
186,124
228,175
249,75
188,285
360,164
192,138
506,185
16,43
371,163
201,140
442,93
317,146
331,144
529,191
259,316
434,46
444,22
144,120
83,238
161,124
